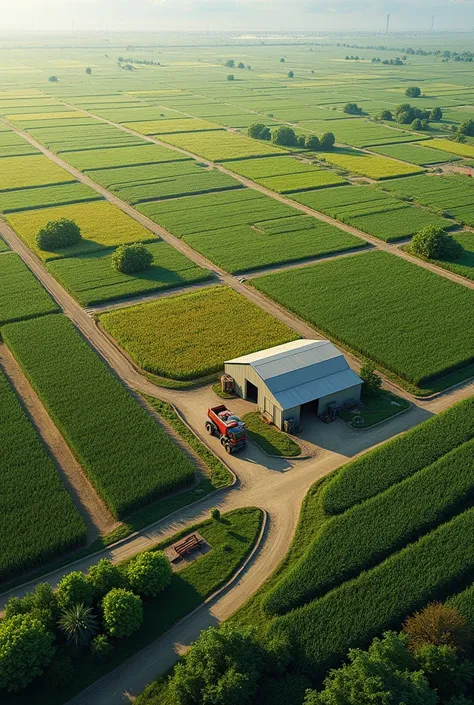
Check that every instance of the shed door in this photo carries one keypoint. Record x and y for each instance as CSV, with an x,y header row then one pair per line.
x,y
268,407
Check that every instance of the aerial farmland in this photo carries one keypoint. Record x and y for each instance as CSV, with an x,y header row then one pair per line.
x,y
236,367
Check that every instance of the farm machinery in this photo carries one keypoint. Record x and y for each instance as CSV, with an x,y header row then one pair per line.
x,y
227,427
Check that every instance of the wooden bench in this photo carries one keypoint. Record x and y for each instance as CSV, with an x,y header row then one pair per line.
x,y
188,545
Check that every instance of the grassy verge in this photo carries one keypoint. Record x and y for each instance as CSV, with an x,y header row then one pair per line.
x,y
231,540
268,437
375,410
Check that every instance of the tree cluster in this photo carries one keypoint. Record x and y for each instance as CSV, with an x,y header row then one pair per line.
x,y
352,109
285,136
128,259
435,243
390,62
138,62
45,632
407,114
413,92
231,64
57,234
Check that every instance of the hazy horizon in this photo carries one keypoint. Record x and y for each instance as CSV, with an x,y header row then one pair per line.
x,y
238,15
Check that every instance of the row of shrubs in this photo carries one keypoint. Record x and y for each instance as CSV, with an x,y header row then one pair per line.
x,y
286,137
369,532
352,614
375,472
86,613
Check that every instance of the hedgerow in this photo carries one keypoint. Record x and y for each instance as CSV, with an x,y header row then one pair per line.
x,y
399,458
129,459
367,533
379,599
38,519
21,294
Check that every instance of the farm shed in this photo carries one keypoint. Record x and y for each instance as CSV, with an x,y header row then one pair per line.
x,y
303,374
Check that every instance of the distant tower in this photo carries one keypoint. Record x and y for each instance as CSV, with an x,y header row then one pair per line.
x,y
388,23
432,23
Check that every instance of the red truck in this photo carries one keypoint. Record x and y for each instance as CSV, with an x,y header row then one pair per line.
x,y
227,427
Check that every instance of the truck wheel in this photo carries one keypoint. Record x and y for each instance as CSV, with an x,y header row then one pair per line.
x,y
209,429
228,449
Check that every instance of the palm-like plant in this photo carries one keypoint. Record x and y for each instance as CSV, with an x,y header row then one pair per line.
x,y
78,624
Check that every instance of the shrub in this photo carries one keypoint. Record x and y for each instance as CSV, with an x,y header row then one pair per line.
x,y
26,648
74,589
413,92
149,573
302,141
467,127
58,234
215,514
40,603
285,136
438,625
59,673
79,624
352,109
259,131
313,143
436,114
101,648
53,79
123,612
104,576
88,70
416,124
386,115
128,259
290,74
230,77
434,243
448,675
372,381
327,140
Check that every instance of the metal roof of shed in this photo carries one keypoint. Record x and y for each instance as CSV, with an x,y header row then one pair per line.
x,y
301,371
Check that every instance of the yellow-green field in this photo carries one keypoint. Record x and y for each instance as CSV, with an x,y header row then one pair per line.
x,y
370,165
220,146
32,170
102,225
162,127
30,117
464,150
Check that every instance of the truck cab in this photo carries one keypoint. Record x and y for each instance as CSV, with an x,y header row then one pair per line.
x,y
228,427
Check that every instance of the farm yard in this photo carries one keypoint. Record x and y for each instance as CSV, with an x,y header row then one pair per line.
x,y
288,175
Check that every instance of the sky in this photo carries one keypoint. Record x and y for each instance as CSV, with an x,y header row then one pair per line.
x,y
239,15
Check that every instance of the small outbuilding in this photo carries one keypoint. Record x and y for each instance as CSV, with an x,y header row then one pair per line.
x,y
289,378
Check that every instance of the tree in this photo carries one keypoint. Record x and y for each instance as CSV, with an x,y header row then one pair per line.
x,y
313,143
436,114
88,70
386,115
259,131
230,77
383,674
301,141
352,109
327,141
434,243
58,234
447,673
104,576
26,648
241,65
149,573
285,136
74,589
79,624
290,74
467,127
123,612
230,63
282,60
222,667
438,625
216,514
458,137
128,259
101,648
53,79
416,124
413,92
372,381
40,603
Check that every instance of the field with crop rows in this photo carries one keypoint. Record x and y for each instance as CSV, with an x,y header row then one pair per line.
x,y
143,153
464,150
465,264
30,198
3,246
191,335
344,299
244,230
163,127
369,165
12,145
129,459
90,134
38,519
415,153
91,278
21,294
372,211
102,225
31,117
359,133
33,170
450,194
221,146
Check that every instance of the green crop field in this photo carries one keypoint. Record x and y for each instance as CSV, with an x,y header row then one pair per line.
x,y
357,132
38,518
285,174
33,170
221,146
29,117
91,278
415,153
163,127
29,198
121,156
89,134
21,294
102,225
465,264
129,459
244,230
191,335
372,211
344,299
369,165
